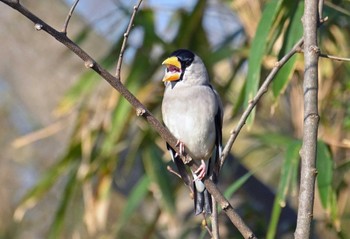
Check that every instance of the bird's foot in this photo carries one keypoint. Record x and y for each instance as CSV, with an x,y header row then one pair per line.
x,y
201,171
181,146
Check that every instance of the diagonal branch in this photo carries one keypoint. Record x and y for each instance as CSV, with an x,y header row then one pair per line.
x,y
260,93
140,109
297,48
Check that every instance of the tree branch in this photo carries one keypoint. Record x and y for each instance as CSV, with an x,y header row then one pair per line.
x,y
140,108
260,93
308,151
337,58
320,11
126,35
214,220
66,22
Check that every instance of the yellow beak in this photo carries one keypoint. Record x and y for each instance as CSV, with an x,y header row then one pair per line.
x,y
172,75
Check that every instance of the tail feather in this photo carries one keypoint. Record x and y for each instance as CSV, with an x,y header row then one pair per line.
x,y
202,198
202,201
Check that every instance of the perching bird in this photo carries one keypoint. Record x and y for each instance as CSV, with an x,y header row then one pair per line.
x,y
192,111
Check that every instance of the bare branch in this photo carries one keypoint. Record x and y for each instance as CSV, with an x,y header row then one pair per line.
x,y
214,220
308,151
252,103
228,209
146,114
126,35
171,170
205,225
337,58
320,11
65,26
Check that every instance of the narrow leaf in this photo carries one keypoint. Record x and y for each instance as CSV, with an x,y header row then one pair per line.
x,y
325,174
46,182
81,88
293,33
290,165
158,173
257,52
135,198
237,184
68,192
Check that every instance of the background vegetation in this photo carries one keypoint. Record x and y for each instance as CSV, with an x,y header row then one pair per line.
x,y
111,179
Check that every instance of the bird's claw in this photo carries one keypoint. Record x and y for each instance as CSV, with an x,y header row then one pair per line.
x,y
181,146
201,171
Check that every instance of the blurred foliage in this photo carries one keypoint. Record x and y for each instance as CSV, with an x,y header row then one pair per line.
x,y
114,170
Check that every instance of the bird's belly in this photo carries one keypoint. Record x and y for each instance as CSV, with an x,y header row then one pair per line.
x,y
194,131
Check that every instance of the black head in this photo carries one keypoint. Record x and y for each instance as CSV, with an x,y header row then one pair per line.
x,y
185,57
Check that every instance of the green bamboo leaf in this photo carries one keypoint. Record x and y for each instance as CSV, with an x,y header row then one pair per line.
x,y
143,69
119,123
66,196
146,20
47,181
220,54
237,184
334,215
274,139
135,198
81,88
257,52
293,33
191,33
240,99
289,168
325,183
82,35
122,113
87,82
325,174
283,77
156,170
230,90
343,168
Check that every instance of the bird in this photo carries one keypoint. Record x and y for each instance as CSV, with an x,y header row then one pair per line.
x,y
192,111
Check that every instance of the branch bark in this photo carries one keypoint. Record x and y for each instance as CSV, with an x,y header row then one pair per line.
x,y
262,90
65,25
336,58
126,35
308,151
139,107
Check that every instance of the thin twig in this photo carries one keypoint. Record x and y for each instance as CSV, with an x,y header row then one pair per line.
x,y
323,55
205,225
143,111
337,58
320,11
252,103
126,35
171,170
65,26
214,220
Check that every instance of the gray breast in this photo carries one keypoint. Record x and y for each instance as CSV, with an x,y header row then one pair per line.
x,y
189,114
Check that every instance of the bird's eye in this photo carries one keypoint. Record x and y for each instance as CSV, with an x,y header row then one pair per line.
x,y
188,63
